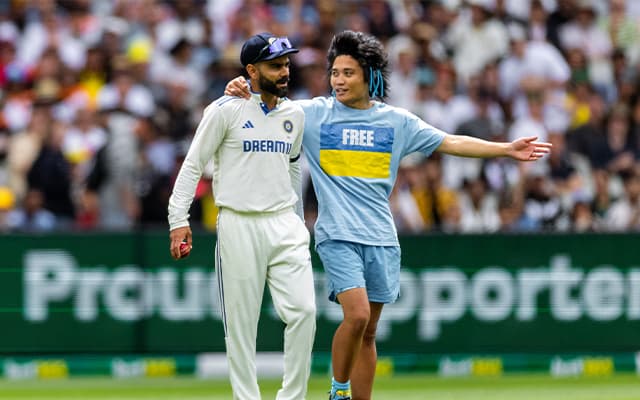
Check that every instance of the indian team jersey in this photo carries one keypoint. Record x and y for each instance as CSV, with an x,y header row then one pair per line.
x,y
251,149
353,158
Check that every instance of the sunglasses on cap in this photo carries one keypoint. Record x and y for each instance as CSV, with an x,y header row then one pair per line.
x,y
276,46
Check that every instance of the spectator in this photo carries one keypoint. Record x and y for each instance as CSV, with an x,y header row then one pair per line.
x,y
184,22
153,172
623,30
178,69
542,208
578,97
17,101
381,19
488,122
24,147
583,32
51,31
478,208
425,79
533,123
32,216
403,58
111,182
530,62
437,203
84,26
507,11
634,129
538,20
501,176
50,174
82,140
224,68
312,73
563,13
485,124
582,219
94,74
588,135
510,211
602,197
562,167
476,39
7,202
446,110
618,152
124,93
625,212
611,146
625,77
175,113
404,208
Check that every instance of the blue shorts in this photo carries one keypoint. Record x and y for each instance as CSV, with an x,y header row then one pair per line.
x,y
351,265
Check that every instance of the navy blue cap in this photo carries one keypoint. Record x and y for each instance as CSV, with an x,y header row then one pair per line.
x,y
265,46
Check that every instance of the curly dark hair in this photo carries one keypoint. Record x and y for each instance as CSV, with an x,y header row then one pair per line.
x,y
369,53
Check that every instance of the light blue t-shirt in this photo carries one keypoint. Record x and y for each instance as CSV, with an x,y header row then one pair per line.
x,y
353,158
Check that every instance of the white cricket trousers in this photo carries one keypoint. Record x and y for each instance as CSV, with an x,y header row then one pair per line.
x,y
251,249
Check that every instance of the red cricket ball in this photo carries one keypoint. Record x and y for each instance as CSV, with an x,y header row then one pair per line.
x,y
185,249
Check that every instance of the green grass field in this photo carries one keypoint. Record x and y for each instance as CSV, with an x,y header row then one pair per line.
x,y
404,387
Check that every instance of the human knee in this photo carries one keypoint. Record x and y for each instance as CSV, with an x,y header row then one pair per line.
x,y
306,310
357,318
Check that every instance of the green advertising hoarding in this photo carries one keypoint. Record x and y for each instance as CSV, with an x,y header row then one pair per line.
x,y
122,293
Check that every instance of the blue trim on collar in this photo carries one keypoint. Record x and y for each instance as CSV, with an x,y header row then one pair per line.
x,y
263,106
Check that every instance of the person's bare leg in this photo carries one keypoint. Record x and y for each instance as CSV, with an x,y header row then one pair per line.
x,y
364,369
347,339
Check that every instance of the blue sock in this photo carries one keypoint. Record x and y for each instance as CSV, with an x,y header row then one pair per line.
x,y
335,385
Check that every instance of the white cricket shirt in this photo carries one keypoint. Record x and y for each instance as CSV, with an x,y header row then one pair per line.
x,y
251,148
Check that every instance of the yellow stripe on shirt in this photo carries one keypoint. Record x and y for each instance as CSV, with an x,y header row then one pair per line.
x,y
356,164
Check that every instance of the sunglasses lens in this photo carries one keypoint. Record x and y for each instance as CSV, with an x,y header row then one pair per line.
x,y
279,45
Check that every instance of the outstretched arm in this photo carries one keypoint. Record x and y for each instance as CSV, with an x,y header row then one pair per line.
x,y
523,149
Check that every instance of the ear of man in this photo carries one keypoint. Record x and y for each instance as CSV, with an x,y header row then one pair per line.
x,y
253,72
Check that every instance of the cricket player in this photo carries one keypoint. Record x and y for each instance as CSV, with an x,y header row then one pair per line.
x,y
255,146
354,145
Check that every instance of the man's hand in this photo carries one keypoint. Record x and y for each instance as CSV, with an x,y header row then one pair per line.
x,y
527,149
176,237
238,87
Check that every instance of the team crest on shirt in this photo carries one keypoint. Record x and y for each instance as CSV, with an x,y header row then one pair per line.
x,y
288,126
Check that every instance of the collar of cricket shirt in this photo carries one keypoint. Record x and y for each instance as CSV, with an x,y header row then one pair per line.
x,y
257,98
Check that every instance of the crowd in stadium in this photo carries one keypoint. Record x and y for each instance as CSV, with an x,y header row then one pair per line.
x,y
99,101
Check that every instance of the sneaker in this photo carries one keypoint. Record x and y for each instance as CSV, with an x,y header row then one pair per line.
x,y
340,395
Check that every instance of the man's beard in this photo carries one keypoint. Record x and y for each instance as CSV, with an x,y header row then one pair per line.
x,y
270,86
